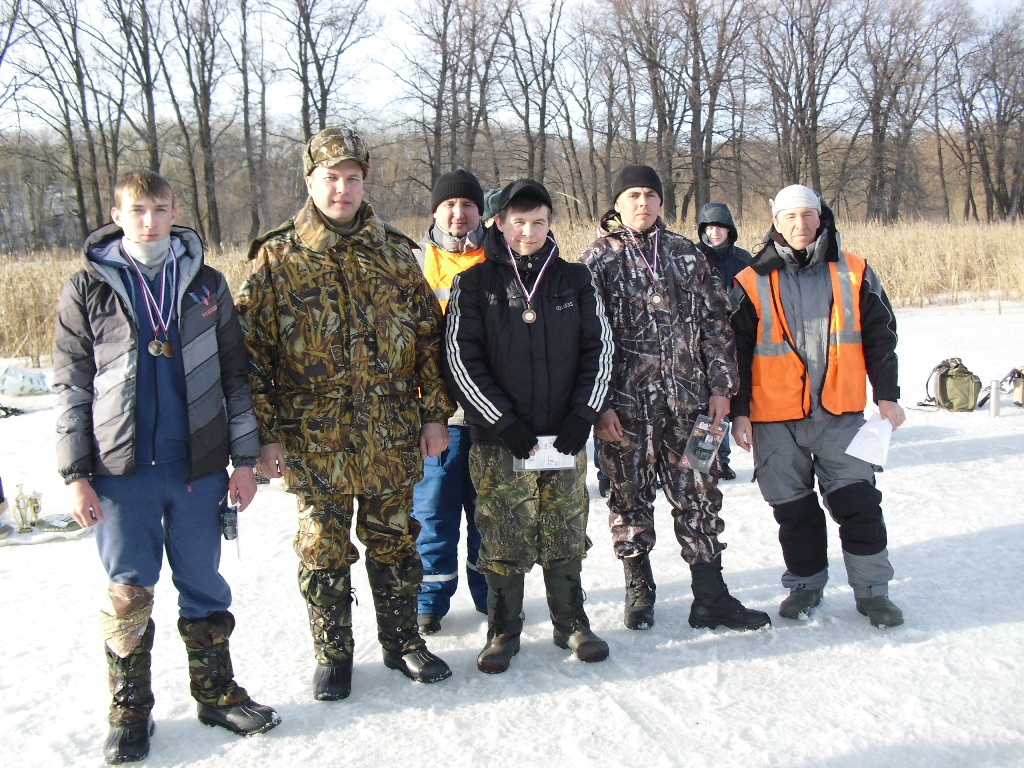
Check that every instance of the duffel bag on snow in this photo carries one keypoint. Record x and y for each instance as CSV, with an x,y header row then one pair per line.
x,y
956,388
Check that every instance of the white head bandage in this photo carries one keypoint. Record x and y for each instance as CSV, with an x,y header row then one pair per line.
x,y
795,196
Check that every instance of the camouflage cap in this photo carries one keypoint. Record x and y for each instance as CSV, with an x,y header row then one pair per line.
x,y
332,146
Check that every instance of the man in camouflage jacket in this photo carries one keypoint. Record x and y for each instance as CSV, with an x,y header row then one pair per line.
x,y
344,339
675,358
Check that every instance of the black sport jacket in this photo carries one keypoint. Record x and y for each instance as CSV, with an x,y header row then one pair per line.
x,y
501,368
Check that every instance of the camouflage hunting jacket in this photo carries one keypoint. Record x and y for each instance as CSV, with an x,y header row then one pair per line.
x,y
344,342
681,350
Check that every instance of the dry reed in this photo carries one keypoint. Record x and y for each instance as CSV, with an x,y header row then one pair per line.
x,y
919,263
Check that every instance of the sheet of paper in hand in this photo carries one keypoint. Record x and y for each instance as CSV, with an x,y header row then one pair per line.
x,y
546,458
871,443
703,444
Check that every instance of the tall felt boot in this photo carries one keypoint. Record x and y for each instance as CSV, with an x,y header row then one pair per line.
x,y
640,592
328,595
219,699
565,604
714,606
394,589
131,721
504,622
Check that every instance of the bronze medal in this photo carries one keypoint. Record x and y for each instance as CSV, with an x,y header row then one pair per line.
x,y
529,316
167,348
155,348
655,299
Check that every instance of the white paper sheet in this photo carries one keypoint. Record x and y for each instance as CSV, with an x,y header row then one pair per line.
x,y
871,443
546,458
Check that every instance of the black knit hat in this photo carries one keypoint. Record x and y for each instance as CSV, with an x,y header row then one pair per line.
x,y
524,187
637,175
458,183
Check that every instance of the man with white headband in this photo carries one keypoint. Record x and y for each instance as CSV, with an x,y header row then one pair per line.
x,y
811,322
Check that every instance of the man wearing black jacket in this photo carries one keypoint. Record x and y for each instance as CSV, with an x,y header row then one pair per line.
x,y
528,353
716,239
810,321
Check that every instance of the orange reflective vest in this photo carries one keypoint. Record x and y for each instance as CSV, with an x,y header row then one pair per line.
x,y
779,387
441,267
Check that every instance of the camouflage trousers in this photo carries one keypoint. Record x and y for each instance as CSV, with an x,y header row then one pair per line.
x,y
651,449
527,517
384,524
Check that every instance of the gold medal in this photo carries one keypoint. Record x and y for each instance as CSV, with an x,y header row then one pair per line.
x,y
155,348
167,348
529,316
655,299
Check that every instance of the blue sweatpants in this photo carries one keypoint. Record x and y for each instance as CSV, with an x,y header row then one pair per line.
x,y
438,502
154,509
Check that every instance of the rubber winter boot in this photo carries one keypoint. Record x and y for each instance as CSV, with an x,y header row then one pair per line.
x,y
640,592
429,623
220,701
131,723
504,622
880,610
565,604
800,601
713,606
328,594
394,589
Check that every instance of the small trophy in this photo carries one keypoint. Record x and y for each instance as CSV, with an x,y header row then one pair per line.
x,y
22,512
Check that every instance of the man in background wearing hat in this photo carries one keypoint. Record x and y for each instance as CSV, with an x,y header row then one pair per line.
x,y
453,243
675,359
344,342
811,321
716,239
528,354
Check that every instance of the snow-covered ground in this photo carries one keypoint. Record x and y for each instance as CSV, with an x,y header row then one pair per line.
x,y
946,689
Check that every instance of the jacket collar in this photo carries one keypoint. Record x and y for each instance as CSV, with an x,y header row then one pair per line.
x,y
314,232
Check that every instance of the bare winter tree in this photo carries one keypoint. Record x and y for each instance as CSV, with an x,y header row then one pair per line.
x,y
323,31
11,30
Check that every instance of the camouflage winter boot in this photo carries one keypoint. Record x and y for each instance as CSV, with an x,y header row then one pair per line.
x,y
131,723
395,589
504,622
714,606
219,699
640,592
329,595
565,604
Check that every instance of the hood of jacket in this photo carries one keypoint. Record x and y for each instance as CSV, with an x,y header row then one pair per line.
x,y
451,244
716,213
827,245
102,254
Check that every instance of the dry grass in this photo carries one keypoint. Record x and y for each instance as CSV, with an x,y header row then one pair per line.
x,y
918,263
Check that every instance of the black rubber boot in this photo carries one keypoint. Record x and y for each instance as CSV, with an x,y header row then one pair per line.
x,y
800,601
504,622
429,623
713,606
329,595
640,592
882,611
565,604
220,701
395,589
131,723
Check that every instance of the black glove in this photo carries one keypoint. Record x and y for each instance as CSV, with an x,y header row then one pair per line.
x,y
572,437
519,439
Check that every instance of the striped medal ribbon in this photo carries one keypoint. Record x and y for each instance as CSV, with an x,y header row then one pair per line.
x,y
530,314
157,323
652,266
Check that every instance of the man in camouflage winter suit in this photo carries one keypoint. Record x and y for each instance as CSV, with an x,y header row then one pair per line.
x,y
344,340
675,358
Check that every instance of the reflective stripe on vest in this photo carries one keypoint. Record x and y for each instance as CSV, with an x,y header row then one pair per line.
x,y
779,387
441,267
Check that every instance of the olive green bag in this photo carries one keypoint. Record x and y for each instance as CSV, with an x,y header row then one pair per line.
x,y
956,388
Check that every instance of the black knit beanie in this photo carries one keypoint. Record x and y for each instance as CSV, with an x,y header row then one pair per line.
x,y
637,175
458,183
